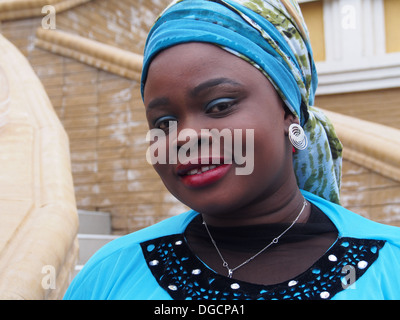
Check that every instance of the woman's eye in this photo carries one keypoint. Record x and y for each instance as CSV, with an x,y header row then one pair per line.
x,y
165,123
219,105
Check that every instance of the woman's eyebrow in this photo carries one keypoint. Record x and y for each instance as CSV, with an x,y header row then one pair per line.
x,y
162,101
212,83
156,103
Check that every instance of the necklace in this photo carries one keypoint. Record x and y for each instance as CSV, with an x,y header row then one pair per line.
x,y
274,241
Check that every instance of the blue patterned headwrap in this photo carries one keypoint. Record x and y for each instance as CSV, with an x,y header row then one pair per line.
x,y
271,35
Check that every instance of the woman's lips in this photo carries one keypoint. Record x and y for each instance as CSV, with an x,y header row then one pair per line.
x,y
201,175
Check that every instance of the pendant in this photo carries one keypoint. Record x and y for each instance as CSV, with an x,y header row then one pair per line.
x,y
230,271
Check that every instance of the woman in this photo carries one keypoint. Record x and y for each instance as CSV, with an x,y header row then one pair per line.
x,y
275,233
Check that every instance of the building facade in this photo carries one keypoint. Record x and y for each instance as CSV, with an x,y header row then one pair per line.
x,y
356,45
358,58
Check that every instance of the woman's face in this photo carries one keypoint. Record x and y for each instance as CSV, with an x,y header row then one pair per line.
x,y
202,87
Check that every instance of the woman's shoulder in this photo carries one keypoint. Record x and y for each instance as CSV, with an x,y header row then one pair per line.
x,y
351,224
120,254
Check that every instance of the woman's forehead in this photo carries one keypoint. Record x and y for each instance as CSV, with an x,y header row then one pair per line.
x,y
195,54
194,64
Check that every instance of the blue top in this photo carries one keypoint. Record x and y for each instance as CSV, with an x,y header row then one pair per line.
x,y
123,269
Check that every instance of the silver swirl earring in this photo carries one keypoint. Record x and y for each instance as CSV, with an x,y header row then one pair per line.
x,y
298,137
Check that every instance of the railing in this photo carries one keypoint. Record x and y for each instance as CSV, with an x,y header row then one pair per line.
x,y
369,144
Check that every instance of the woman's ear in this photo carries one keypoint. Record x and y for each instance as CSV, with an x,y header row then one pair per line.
x,y
290,118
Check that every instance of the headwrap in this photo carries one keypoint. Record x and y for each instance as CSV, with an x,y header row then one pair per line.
x,y
272,36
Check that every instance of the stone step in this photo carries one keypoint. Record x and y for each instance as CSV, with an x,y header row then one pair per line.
x,y
94,222
89,244
94,232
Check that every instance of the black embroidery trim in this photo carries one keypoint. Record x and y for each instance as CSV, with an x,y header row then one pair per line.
x,y
184,276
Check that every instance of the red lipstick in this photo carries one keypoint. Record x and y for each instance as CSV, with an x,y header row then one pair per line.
x,y
197,175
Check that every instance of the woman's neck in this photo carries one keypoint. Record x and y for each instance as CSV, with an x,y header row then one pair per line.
x,y
281,207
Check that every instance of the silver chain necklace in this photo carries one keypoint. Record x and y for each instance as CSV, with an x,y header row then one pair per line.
x,y
274,241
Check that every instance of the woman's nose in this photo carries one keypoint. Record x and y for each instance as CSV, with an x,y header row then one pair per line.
x,y
191,139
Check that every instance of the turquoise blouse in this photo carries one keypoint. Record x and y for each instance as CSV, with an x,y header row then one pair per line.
x,y
154,264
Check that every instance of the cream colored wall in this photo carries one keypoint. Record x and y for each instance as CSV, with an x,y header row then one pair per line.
x,y
370,194
38,216
313,15
381,106
392,25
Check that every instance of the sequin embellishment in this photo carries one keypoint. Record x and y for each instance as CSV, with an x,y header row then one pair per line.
x,y
184,276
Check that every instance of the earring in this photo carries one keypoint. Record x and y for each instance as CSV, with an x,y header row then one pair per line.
x,y
298,137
